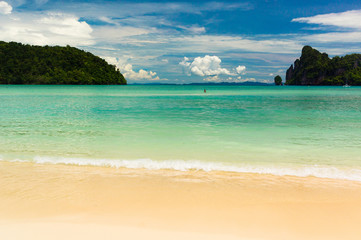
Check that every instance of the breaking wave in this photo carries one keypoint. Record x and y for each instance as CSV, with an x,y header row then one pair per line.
x,y
346,173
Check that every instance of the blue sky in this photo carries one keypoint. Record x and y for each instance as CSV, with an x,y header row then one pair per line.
x,y
189,41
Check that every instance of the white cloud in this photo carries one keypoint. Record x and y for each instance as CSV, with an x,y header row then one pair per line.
x,y
65,25
127,70
349,19
108,20
205,66
349,22
122,9
212,79
218,79
5,8
185,62
45,29
194,29
208,66
346,37
186,65
222,43
237,79
120,33
241,70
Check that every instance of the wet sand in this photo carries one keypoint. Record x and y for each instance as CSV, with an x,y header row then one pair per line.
x,y
40,201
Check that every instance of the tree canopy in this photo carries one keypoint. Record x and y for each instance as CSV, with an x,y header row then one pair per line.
x,y
315,68
26,64
278,80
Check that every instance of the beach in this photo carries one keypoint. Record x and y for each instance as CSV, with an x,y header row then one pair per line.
x,y
180,120
42,201
172,162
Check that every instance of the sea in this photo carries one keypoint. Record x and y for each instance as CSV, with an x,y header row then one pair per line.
x,y
279,130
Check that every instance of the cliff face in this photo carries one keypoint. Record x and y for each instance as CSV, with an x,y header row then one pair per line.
x,y
315,68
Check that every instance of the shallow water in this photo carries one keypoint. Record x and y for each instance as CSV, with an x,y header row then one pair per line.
x,y
280,130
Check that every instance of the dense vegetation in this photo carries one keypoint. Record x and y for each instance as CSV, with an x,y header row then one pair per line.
x,y
315,68
26,64
278,80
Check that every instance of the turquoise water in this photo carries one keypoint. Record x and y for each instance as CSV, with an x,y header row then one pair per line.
x,y
280,130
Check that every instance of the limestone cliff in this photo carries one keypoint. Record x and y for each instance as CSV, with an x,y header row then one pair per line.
x,y
315,68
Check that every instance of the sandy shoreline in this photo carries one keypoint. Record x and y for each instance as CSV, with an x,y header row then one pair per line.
x,y
72,202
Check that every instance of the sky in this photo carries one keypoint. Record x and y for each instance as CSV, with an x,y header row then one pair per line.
x,y
189,41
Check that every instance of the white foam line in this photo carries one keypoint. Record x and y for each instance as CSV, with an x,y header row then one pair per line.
x,y
331,172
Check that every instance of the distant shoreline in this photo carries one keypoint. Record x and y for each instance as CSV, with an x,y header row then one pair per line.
x,y
180,84
210,83
157,83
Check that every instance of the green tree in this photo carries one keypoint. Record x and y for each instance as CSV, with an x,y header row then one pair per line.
x,y
278,80
315,68
26,64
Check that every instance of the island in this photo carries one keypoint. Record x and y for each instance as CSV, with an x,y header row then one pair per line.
x,y
27,64
315,68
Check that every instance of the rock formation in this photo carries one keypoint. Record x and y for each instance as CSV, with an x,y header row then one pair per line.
x,y
315,68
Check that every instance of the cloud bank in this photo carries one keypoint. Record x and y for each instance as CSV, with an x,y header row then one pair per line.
x,y
127,70
348,19
347,27
241,70
150,32
5,8
208,66
43,28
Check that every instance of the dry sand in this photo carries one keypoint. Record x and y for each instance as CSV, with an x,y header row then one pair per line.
x,y
73,202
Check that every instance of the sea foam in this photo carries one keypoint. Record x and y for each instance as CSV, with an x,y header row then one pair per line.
x,y
331,172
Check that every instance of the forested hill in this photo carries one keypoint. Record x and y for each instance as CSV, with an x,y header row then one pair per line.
x,y
26,64
315,68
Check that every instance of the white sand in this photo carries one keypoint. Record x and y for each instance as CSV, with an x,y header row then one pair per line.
x,y
72,202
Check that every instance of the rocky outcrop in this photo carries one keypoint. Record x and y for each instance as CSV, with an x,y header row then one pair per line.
x,y
315,68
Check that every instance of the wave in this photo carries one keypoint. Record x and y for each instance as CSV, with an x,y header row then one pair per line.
x,y
331,172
